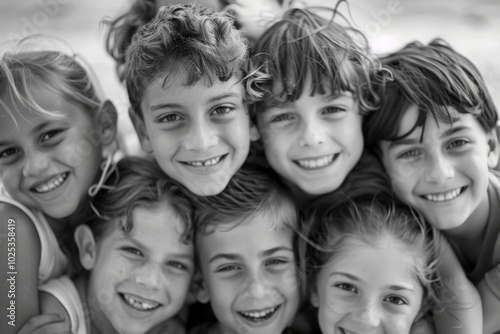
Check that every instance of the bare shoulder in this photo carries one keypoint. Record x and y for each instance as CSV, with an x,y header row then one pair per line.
x,y
49,304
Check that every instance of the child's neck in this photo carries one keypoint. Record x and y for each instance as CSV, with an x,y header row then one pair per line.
x,y
471,232
94,319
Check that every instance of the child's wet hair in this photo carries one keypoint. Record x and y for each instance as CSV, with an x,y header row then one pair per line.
x,y
25,67
303,44
253,190
372,220
191,40
138,182
431,77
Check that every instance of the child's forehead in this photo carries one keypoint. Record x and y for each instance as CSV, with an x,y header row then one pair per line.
x,y
246,228
423,124
175,86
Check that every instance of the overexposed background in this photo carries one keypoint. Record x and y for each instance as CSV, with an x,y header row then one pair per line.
x,y
470,26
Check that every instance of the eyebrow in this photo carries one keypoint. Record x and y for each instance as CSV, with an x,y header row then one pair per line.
x,y
135,242
412,141
271,251
335,96
41,127
399,288
350,276
223,256
223,97
165,106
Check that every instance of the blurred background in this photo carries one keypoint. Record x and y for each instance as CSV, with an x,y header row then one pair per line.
x,y
470,26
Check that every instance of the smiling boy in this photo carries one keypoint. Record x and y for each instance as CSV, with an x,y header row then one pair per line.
x,y
246,249
184,74
435,134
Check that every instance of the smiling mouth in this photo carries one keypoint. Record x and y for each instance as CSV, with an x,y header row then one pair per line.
x,y
205,163
317,163
444,197
51,184
345,331
139,304
261,315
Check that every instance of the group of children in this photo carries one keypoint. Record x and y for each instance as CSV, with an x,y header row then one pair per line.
x,y
296,183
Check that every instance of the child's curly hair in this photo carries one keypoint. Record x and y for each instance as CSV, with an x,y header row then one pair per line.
x,y
122,28
190,39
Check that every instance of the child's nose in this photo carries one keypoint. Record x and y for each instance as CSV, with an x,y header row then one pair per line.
x,y
201,136
35,164
150,276
439,168
257,289
312,135
367,316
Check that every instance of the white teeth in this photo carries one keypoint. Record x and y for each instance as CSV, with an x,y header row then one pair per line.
x,y
141,306
447,196
316,163
259,314
206,163
52,184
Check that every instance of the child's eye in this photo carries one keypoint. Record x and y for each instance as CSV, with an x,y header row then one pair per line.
x,y
346,287
228,268
274,262
177,265
168,118
409,154
396,300
332,110
457,143
50,134
132,250
222,111
282,118
8,152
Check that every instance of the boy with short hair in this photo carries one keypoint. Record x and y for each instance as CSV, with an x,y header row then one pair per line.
x,y
184,73
435,134
245,242
314,90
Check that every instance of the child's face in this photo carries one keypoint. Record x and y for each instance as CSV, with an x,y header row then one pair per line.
x,y
141,278
250,277
313,142
367,289
48,162
442,171
199,135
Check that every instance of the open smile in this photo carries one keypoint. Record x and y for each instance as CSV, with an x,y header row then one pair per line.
x,y
260,315
205,163
138,303
50,185
317,163
444,196
345,331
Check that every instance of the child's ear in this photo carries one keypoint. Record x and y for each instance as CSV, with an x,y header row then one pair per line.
x,y
140,129
85,242
494,152
107,121
199,289
314,297
254,132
